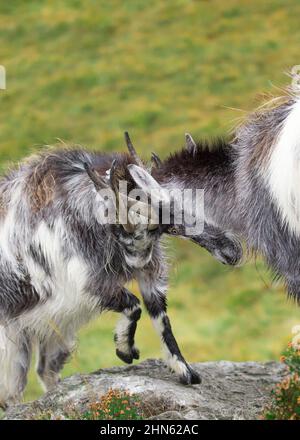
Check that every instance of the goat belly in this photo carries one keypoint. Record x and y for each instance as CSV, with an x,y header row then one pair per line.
x,y
64,302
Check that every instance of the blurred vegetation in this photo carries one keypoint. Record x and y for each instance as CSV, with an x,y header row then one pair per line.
x,y
85,71
285,397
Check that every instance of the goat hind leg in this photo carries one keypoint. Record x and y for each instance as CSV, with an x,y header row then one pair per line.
x,y
52,357
15,356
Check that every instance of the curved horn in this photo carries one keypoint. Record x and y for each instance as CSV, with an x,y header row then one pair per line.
x,y
190,143
112,172
155,160
95,177
132,150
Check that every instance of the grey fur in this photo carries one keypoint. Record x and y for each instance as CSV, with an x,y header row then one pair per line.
x,y
236,196
50,234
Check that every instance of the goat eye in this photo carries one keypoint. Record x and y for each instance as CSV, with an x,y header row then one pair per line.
x,y
173,231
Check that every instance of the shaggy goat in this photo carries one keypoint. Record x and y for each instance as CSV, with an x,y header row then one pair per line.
x,y
60,265
251,184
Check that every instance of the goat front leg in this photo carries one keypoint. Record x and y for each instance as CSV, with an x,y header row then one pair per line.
x,y
153,288
127,304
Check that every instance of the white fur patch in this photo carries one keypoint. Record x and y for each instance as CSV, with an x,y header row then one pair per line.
x,y
176,365
137,261
122,328
158,324
69,306
7,226
283,175
172,360
122,334
11,362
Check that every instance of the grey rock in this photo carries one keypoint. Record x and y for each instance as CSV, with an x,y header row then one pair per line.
x,y
229,390
168,415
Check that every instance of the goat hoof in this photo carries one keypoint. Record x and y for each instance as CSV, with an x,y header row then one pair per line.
x,y
128,357
3,406
125,357
190,377
135,353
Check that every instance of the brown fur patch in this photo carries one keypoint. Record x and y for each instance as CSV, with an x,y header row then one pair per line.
x,y
262,128
41,187
121,172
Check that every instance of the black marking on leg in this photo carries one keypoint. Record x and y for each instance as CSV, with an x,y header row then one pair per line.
x,y
169,339
136,314
125,357
129,305
133,352
134,317
190,376
156,305
57,362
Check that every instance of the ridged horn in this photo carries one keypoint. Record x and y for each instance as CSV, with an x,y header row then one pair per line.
x,y
132,150
155,160
112,173
95,177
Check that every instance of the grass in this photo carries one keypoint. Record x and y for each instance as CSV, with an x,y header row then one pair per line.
x,y
86,71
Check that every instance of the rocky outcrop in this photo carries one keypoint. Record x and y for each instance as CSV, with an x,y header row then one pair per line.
x,y
229,390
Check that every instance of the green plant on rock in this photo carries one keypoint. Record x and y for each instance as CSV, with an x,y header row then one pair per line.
x,y
285,398
114,405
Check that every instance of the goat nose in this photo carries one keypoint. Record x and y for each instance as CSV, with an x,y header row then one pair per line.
x,y
232,253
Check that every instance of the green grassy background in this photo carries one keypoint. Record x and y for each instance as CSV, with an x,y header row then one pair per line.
x,y
84,71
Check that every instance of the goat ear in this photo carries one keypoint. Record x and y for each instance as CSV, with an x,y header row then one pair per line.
x,y
95,177
147,183
142,178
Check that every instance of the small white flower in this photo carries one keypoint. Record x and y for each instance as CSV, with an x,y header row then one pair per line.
x,y
296,329
296,342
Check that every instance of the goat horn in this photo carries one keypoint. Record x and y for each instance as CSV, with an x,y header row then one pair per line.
x,y
132,150
155,160
95,177
112,172
190,143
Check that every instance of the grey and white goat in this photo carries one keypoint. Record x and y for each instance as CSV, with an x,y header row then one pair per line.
x,y
251,183
60,265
